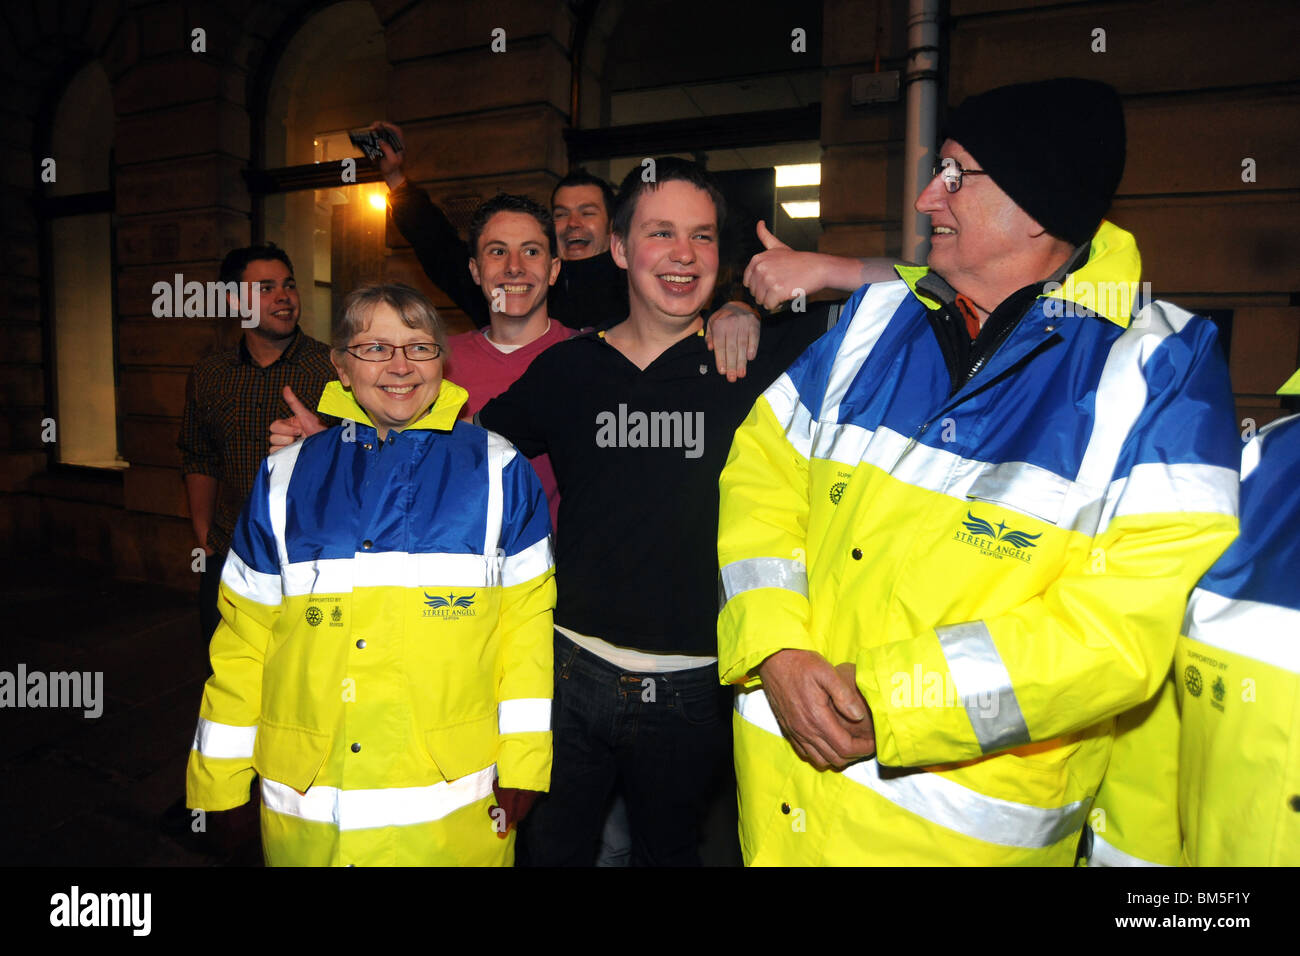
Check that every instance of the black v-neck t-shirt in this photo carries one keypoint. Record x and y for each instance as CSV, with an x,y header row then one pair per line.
x,y
637,455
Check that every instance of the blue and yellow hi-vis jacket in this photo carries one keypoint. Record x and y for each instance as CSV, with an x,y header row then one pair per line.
x,y
1006,566
1219,787
385,646
1238,675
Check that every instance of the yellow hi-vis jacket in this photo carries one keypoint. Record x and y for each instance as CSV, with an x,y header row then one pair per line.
x,y
1006,565
385,645
1134,819
1235,797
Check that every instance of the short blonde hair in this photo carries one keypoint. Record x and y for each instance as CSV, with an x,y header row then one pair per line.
x,y
415,311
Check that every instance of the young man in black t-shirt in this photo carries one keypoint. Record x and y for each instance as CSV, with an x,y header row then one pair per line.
x,y
638,423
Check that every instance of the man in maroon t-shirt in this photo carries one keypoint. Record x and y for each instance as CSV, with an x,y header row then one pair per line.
x,y
515,264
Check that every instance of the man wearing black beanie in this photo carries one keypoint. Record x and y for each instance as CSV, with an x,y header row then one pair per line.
x,y
956,538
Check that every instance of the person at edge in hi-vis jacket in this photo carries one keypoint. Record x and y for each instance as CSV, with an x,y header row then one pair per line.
x,y
384,659
1208,773
957,536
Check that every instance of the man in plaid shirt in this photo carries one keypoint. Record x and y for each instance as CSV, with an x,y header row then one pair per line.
x,y
232,398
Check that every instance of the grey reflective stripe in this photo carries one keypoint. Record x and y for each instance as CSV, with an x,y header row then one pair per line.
x,y
983,685
1250,456
224,741
383,807
785,573
280,469
1156,487
1106,854
944,802
499,454
1121,396
1023,487
1254,629
868,323
783,398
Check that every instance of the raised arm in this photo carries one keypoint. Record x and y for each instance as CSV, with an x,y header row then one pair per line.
x,y
779,273
442,254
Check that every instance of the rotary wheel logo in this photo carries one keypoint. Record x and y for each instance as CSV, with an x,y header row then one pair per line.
x,y
837,491
1192,679
314,617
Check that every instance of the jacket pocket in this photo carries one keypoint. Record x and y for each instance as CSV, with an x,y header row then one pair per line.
x,y
463,748
289,755
1020,486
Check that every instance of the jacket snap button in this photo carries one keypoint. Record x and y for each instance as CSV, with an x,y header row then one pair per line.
x,y
361,643
1295,802
367,446
785,808
356,748
857,554
367,544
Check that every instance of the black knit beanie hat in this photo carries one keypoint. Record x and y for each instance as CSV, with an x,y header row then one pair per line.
x,y
1056,147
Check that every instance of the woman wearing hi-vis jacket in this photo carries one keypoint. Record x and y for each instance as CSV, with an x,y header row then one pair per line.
x,y
384,658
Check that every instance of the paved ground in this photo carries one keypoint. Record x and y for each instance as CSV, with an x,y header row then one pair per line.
x,y
79,791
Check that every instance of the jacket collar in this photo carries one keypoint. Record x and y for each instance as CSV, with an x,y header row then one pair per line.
x,y
1107,283
441,416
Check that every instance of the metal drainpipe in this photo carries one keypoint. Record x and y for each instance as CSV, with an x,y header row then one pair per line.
x,y
922,80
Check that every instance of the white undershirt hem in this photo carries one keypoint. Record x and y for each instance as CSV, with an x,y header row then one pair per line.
x,y
639,662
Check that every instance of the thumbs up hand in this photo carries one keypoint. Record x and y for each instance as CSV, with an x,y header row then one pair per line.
x,y
779,273
303,422
768,240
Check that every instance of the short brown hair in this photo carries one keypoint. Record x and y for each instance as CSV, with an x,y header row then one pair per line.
x,y
667,169
415,311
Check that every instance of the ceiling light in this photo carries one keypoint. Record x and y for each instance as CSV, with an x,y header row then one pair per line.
x,y
802,210
805,174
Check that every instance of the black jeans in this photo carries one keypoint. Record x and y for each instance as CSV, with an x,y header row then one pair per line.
x,y
663,739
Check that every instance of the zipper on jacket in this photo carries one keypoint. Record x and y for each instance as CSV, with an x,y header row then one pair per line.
x,y
495,562
911,443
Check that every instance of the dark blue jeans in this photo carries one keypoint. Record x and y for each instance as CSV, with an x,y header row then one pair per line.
x,y
663,739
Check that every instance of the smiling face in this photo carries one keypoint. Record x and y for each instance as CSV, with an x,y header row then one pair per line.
x,y
581,221
513,265
396,392
976,231
670,252
277,298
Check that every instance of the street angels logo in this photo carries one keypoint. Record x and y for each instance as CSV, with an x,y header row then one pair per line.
x,y
451,607
996,540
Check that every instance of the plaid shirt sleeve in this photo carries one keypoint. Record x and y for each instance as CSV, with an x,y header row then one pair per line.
x,y
200,454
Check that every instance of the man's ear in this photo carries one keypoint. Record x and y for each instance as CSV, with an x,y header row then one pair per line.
x,y
555,270
473,271
338,367
618,249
